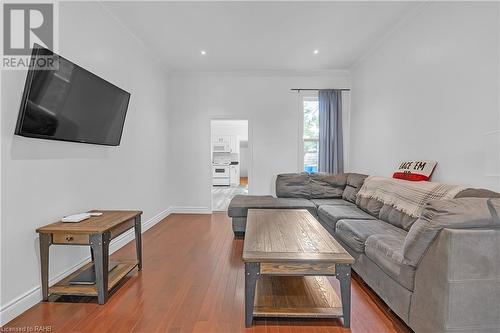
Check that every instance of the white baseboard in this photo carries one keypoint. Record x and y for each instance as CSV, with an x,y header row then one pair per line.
x,y
22,303
17,306
128,236
190,210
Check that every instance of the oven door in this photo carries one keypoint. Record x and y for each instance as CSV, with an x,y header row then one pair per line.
x,y
221,148
220,171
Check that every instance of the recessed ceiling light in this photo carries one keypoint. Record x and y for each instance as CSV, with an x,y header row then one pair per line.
x,y
203,52
316,51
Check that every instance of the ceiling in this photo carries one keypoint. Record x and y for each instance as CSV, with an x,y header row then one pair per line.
x,y
246,36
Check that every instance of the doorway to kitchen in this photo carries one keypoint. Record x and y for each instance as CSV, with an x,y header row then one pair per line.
x,y
230,157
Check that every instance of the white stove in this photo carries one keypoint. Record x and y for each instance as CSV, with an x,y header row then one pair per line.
x,y
221,168
220,174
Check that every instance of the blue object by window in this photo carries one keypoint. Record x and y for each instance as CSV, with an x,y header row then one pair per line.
x,y
311,168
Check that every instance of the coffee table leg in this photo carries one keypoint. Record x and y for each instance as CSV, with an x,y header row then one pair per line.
x,y
343,274
252,273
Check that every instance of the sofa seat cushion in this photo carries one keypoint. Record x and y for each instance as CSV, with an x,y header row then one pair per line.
x,y
354,233
330,215
332,202
240,204
386,251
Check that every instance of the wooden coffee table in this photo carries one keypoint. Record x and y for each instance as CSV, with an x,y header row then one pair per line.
x,y
287,255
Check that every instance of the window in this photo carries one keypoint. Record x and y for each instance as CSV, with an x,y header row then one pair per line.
x,y
311,134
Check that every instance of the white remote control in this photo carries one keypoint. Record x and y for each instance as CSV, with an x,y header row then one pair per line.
x,y
76,218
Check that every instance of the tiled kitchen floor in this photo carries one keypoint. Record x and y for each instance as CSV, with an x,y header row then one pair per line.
x,y
222,195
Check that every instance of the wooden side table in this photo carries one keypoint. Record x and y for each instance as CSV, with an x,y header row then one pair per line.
x,y
96,232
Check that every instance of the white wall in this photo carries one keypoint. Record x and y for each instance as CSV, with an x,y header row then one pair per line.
x,y
45,180
429,91
237,128
264,99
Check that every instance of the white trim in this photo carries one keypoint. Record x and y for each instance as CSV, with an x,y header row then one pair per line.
x,y
1,201
22,303
300,132
27,300
266,73
190,210
129,236
302,95
498,84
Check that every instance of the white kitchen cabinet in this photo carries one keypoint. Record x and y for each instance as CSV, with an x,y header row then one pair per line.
x,y
235,144
234,175
221,139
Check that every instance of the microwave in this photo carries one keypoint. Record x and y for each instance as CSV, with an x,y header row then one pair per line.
x,y
221,148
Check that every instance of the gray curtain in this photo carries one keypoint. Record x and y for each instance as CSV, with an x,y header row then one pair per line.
x,y
331,152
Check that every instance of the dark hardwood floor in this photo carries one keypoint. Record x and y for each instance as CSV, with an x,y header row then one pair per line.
x,y
192,281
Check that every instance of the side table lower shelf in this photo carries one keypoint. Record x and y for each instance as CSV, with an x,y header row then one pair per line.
x,y
63,287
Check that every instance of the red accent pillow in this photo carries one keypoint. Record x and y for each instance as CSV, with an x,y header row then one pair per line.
x,y
415,170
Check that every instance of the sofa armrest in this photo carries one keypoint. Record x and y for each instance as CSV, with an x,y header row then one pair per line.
x,y
457,283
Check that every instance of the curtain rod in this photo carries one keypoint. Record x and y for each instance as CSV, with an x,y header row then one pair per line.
x,y
299,89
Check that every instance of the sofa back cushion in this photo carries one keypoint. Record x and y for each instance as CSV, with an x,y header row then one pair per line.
x,y
477,193
327,185
400,202
463,213
370,205
293,185
311,186
353,184
404,221
396,217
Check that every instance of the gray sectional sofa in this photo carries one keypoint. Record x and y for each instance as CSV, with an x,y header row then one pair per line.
x,y
439,272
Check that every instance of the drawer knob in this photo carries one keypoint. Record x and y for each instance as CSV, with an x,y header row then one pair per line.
x,y
69,238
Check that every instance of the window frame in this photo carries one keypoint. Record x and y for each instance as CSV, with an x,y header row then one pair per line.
x,y
303,96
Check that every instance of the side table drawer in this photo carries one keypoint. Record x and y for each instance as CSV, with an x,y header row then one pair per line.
x,y
70,239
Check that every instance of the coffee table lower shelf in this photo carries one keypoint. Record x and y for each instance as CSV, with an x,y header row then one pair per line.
x,y
63,287
296,296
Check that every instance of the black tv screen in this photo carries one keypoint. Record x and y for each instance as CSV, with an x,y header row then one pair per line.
x,y
70,103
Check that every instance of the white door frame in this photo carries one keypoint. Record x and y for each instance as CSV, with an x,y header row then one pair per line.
x,y
250,150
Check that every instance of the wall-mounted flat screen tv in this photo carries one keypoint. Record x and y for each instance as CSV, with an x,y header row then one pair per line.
x,y
69,103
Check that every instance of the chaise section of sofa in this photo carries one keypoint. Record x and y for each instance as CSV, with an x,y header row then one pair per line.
x,y
300,191
240,204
